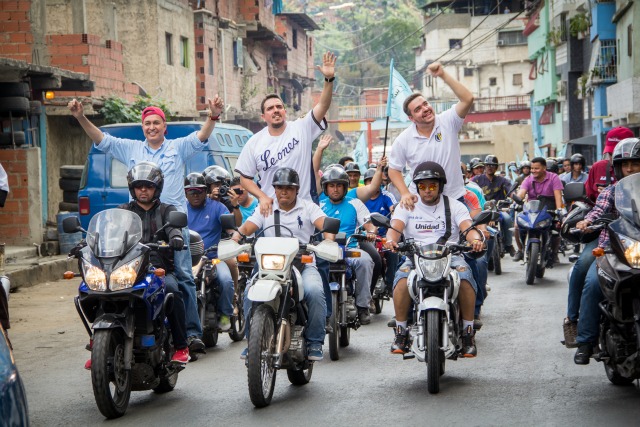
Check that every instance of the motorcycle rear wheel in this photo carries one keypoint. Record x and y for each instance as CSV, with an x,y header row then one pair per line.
x,y
167,382
111,382
236,333
497,261
379,303
210,337
334,349
261,374
615,377
345,336
300,376
432,329
532,262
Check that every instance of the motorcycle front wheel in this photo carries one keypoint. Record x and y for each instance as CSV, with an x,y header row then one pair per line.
x,y
532,262
432,329
497,261
111,382
334,348
237,320
261,374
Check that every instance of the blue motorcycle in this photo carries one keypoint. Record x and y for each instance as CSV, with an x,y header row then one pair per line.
x,y
535,224
124,297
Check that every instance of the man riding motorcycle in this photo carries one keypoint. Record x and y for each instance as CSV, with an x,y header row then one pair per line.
x,y
302,217
577,173
351,213
427,224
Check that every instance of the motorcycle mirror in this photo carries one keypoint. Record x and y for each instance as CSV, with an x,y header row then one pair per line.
x,y
228,222
380,220
71,225
177,219
574,191
331,225
484,217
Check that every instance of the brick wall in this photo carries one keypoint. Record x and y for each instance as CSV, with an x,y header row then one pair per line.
x,y
206,85
87,53
16,39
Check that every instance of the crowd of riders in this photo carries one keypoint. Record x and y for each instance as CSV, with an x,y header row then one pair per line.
x,y
278,171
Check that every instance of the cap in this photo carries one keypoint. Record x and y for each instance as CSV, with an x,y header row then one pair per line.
x,y
614,136
153,110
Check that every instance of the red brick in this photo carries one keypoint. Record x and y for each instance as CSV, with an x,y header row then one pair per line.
x,y
25,48
18,16
9,5
5,16
20,193
16,38
11,205
24,5
9,26
9,48
24,26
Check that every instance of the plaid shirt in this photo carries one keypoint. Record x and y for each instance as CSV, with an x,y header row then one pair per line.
x,y
606,203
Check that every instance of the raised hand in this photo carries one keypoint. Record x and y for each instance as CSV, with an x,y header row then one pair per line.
x,y
325,141
328,67
216,105
435,69
76,108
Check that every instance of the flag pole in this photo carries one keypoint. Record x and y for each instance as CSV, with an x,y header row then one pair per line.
x,y
386,127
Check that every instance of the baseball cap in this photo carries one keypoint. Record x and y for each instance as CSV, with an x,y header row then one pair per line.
x,y
614,136
153,110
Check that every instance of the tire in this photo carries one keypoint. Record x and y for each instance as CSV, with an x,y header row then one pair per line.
x,y
35,107
261,374
107,371
209,337
490,264
334,348
238,323
534,254
497,262
14,89
167,383
67,207
615,377
379,303
345,336
71,171
18,136
432,328
70,196
299,376
67,184
15,104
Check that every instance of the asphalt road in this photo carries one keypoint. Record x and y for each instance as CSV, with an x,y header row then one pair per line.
x,y
522,375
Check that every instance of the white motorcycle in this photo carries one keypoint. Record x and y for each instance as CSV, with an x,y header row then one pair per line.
x,y
276,339
433,287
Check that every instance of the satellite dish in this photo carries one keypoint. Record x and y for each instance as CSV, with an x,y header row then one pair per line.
x,y
339,135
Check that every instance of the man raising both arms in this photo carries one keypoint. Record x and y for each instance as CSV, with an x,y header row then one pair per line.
x,y
432,137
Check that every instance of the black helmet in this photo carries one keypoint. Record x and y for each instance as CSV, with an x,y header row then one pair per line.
x,y
146,172
334,174
352,167
216,174
525,164
475,163
286,177
491,160
430,170
369,174
194,180
552,165
627,149
578,158
577,214
196,246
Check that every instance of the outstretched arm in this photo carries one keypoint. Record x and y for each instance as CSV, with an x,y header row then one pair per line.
x,y
365,192
328,70
324,142
215,108
77,111
463,94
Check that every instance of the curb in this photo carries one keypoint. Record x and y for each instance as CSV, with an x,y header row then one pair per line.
x,y
39,271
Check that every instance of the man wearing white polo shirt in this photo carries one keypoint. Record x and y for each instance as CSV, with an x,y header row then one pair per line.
x,y
431,137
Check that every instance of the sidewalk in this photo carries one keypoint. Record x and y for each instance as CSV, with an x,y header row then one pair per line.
x,y
25,267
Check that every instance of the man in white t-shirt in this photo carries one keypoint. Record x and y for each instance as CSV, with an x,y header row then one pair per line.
x,y
284,144
431,137
302,217
427,224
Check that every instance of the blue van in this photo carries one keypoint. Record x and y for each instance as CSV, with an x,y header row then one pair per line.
x,y
104,179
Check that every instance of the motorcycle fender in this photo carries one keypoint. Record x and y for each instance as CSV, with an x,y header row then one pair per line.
x,y
264,290
112,321
411,284
433,303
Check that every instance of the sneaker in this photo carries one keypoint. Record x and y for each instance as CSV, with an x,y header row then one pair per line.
x,y
519,256
583,354
372,306
392,323
195,344
468,343
327,326
401,343
181,356
87,365
570,330
477,323
510,250
314,352
244,353
363,315
224,324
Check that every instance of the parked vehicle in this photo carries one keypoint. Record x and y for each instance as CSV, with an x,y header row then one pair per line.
x,y
433,287
276,339
124,297
495,258
104,179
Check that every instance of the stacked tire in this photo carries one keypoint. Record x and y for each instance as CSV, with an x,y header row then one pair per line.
x,y
70,184
14,103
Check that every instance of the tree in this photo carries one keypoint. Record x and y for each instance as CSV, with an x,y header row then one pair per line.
x,y
118,110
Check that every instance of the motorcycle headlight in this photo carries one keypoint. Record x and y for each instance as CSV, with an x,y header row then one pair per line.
x,y
631,250
544,223
433,269
125,276
94,277
273,262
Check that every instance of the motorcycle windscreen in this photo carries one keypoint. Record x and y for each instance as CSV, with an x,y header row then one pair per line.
x,y
113,232
533,206
627,194
432,251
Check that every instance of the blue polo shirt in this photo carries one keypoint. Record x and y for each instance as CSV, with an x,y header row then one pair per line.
x,y
350,212
206,222
381,204
248,211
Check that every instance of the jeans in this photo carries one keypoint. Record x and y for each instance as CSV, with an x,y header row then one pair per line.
x,y
314,297
363,268
225,283
392,266
176,317
323,268
506,223
589,319
577,279
187,286
480,269
371,250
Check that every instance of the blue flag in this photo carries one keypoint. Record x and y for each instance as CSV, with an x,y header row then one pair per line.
x,y
399,90
360,154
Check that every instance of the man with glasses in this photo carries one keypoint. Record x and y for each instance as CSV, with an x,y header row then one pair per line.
x,y
247,203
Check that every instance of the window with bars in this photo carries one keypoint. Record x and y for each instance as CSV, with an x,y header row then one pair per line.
x,y
468,72
517,80
511,38
168,39
184,52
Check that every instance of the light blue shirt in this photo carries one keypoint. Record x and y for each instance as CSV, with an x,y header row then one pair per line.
x,y
568,177
170,157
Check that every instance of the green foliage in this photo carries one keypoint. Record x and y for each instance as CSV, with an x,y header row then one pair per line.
x,y
579,24
117,110
249,90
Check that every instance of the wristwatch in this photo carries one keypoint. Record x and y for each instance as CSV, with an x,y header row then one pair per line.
x,y
236,207
329,80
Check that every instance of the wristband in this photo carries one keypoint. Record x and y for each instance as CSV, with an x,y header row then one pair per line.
x,y
330,79
214,118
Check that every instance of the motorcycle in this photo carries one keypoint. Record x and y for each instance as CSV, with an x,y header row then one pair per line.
x,y
433,287
535,224
124,297
208,294
498,252
276,339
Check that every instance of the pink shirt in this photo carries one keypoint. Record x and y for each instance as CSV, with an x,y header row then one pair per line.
x,y
549,184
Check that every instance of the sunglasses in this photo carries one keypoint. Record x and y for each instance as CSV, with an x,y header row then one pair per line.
x,y
431,186
238,191
140,185
195,192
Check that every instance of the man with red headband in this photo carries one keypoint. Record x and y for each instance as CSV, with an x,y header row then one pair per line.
x,y
171,155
